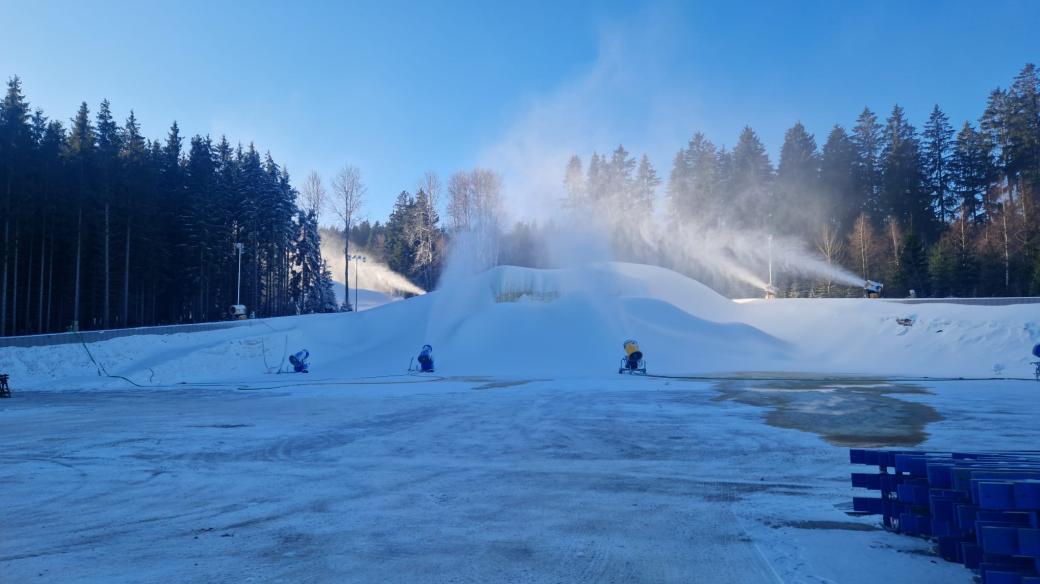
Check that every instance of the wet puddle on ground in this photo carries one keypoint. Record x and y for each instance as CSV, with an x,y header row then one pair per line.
x,y
853,411
491,383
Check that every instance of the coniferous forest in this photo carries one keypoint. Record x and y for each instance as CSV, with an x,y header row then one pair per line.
x,y
102,227
944,210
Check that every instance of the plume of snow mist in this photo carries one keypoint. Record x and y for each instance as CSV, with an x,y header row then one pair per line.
x,y
745,255
368,275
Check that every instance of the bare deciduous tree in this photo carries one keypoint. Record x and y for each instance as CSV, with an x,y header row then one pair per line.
x,y
424,232
475,206
313,193
863,242
348,197
832,248
459,208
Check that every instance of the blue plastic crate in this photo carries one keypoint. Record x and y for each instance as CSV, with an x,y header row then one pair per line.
x,y
1027,494
1029,542
997,539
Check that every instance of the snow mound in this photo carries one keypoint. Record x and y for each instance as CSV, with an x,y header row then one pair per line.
x,y
550,323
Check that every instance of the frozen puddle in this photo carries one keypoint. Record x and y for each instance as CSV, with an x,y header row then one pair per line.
x,y
581,480
849,412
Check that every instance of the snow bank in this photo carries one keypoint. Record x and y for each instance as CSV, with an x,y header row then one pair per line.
x,y
551,323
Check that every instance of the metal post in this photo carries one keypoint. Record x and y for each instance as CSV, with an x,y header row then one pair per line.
x,y
238,293
770,260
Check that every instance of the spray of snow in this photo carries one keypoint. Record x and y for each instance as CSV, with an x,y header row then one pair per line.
x,y
368,275
593,112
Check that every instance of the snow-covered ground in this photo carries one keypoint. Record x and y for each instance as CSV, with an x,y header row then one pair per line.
x,y
561,323
526,459
404,479
362,299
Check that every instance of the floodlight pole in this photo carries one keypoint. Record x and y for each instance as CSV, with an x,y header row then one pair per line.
x,y
770,260
356,259
238,293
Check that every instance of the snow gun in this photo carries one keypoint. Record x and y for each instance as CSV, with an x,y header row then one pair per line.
x,y
633,361
771,292
872,289
425,359
299,361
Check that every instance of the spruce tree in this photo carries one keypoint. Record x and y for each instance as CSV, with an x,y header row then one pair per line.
x,y
903,191
799,206
645,188
972,171
937,145
15,145
868,139
751,183
838,182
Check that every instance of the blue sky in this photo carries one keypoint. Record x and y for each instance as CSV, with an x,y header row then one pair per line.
x,y
400,88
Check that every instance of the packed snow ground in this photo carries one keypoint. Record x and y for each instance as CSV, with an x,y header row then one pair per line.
x,y
602,479
526,459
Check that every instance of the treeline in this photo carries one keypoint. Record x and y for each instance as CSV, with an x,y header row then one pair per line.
x,y
940,211
102,227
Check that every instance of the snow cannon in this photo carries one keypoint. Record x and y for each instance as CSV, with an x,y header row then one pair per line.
x,y
299,361
872,289
237,312
1036,353
771,292
633,361
426,359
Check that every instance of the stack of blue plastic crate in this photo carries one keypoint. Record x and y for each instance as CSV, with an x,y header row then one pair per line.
x,y
982,508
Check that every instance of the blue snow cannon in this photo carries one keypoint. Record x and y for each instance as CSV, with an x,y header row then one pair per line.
x,y
426,359
299,360
1036,353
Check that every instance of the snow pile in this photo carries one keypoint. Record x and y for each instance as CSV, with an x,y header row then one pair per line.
x,y
552,323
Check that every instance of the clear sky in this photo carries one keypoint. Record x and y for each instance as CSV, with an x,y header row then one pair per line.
x,y
400,88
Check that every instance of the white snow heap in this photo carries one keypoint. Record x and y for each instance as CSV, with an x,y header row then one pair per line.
x,y
569,322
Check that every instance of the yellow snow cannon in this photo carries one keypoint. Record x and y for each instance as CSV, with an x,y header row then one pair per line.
x,y
633,361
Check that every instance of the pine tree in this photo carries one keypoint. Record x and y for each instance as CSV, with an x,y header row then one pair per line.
x,y
399,249
15,144
973,172
868,139
80,153
799,207
109,143
838,172
751,178
645,188
134,184
937,144
704,188
619,181
678,188
994,125
903,191
574,184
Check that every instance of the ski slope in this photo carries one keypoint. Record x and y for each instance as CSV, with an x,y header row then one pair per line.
x,y
571,322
